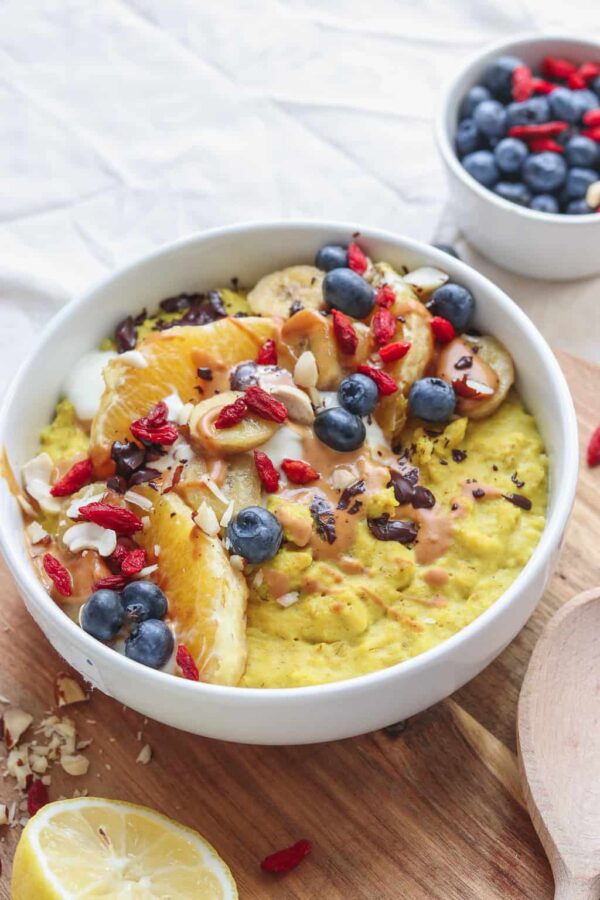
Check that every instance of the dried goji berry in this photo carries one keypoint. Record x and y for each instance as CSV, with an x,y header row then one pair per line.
x,y
531,132
267,355
154,427
264,405
268,474
593,133
593,450
357,261
60,576
392,352
385,296
119,553
78,475
37,796
133,562
591,117
443,330
554,67
588,71
121,520
471,389
289,858
541,145
385,383
231,414
345,335
110,582
187,664
383,325
298,471
541,86
522,83
576,82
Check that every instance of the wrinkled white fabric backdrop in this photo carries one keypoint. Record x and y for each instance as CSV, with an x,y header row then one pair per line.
x,y
128,123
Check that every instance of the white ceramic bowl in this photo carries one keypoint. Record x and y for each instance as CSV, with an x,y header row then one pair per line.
x,y
541,245
297,715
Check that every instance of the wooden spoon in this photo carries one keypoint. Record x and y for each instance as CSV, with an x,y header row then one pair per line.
x,y
559,745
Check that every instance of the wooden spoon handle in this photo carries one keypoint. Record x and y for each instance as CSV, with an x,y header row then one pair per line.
x,y
570,888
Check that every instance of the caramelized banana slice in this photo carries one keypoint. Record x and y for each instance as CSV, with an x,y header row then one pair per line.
x,y
275,293
251,432
309,330
479,360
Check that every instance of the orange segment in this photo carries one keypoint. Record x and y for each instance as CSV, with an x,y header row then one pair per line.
x,y
172,358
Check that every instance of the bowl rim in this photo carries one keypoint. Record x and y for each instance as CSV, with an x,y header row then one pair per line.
x,y
565,480
445,139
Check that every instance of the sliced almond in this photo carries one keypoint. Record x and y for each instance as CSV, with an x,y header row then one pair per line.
x,y
74,764
68,690
206,519
36,533
296,402
306,373
16,722
145,755
288,599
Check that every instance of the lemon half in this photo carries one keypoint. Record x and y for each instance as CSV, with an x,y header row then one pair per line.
x,y
89,847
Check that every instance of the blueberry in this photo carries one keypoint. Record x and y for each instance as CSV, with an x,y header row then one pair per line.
x,y
332,256
564,105
103,615
514,191
447,248
581,151
510,154
468,138
528,112
255,534
476,95
596,86
340,429
453,302
578,208
144,600
358,394
585,100
244,375
482,167
545,203
490,118
432,399
498,76
150,643
343,289
578,181
544,172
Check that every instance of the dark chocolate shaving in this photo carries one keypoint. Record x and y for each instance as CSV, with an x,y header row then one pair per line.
x,y
128,457
422,498
206,373
465,362
478,493
117,484
143,475
141,317
356,506
125,335
406,491
518,500
358,487
385,529
324,519
459,455
296,307
515,480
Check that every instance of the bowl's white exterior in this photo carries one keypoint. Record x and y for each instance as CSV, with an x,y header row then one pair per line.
x,y
540,245
300,715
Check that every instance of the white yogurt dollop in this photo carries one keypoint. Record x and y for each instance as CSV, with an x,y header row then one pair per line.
x,y
84,385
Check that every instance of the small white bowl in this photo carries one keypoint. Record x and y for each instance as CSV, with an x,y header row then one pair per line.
x,y
296,715
541,245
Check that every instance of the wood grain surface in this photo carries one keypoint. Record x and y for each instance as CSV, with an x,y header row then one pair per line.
x,y
434,812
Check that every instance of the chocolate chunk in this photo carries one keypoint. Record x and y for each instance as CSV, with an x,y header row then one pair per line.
x,y
175,304
141,317
296,307
443,462
206,373
422,498
459,455
143,475
495,467
478,493
465,362
125,335
406,491
518,500
324,519
515,480
356,506
117,484
128,457
454,507
385,529
351,491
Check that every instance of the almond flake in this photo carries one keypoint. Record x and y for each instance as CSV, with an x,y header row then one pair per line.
x,y
145,755
288,599
16,722
137,499
36,533
89,536
74,764
206,519
237,562
306,372
148,570
68,690
227,515
341,478
213,488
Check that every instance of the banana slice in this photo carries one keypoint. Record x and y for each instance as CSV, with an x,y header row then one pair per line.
x,y
240,484
483,360
309,330
248,434
275,293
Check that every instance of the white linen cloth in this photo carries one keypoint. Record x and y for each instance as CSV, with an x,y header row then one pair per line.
x,y
128,123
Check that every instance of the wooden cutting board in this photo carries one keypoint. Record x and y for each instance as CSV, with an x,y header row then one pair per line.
x,y
433,812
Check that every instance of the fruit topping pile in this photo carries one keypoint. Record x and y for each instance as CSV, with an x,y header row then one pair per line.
x,y
533,136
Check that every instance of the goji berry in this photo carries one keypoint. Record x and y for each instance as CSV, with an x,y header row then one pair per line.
x,y
157,415
119,553
385,383
287,859
298,471
37,796
231,414
267,355
531,132
345,335
110,582
268,474
541,86
593,133
392,352
78,475
470,389
133,562
591,117
357,261
576,82
264,405
522,83
588,71
187,664
385,296
593,450
154,427
121,520
443,330
554,67
541,145
60,576
383,325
